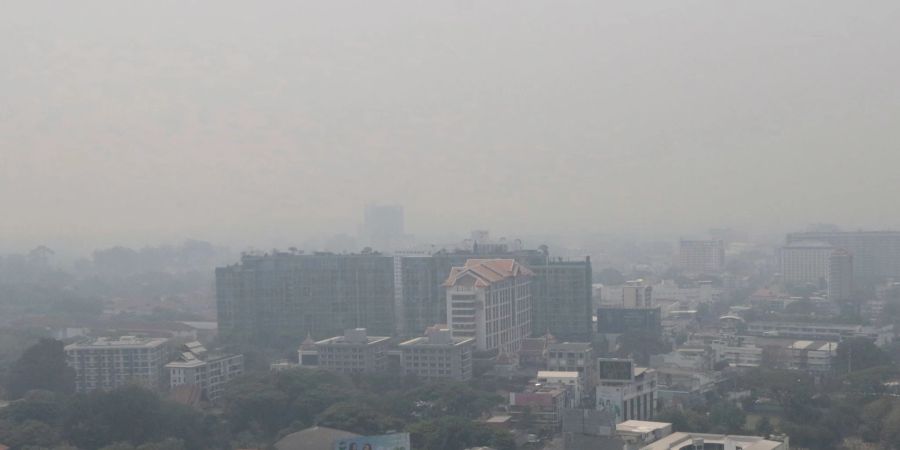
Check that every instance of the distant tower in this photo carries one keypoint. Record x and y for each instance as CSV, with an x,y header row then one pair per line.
x,y
840,276
383,225
637,294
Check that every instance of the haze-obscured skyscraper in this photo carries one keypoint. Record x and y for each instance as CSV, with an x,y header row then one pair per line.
x,y
876,254
383,226
840,276
701,257
562,299
805,262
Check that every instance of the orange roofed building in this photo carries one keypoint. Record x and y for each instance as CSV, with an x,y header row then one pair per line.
x,y
489,300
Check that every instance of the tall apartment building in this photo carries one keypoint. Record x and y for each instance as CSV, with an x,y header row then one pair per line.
x,y
438,355
195,366
701,257
490,301
283,297
805,262
353,352
108,363
562,299
876,254
840,276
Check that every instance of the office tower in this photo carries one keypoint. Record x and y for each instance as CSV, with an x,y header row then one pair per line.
x,y
108,363
840,276
701,257
490,300
353,352
195,366
876,254
562,299
438,355
637,294
280,298
805,262
383,226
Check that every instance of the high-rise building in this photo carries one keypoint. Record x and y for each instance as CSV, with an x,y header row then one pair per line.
x,y
107,363
562,299
701,257
876,254
840,276
283,297
805,262
383,226
438,355
637,294
490,300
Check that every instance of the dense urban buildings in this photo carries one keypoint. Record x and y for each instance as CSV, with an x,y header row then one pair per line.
x,y
876,254
701,257
490,300
109,363
805,262
438,355
195,366
562,299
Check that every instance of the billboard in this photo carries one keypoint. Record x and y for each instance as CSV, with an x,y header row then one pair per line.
x,y
398,441
614,369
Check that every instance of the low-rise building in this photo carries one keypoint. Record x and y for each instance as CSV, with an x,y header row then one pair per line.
x,y
638,433
109,363
354,352
438,355
571,382
626,391
538,406
881,336
573,357
693,441
210,371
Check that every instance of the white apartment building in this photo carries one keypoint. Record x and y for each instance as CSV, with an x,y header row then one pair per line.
x,y
196,367
108,363
489,300
625,391
701,257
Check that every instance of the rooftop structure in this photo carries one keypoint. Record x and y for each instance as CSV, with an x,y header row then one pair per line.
x,y
691,441
438,354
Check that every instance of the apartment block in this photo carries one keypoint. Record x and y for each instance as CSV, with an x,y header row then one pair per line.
x,y
438,355
109,363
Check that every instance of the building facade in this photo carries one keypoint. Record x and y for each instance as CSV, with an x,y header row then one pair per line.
x,y
626,391
283,297
840,276
876,254
563,299
353,352
805,262
573,357
209,371
109,363
489,300
701,257
438,355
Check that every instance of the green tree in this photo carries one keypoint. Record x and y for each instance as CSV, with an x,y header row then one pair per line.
x,y
727,417
764,427
42,366
457,433
358,418
858,354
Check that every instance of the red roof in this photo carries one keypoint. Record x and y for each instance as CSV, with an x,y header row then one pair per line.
x,y
488,271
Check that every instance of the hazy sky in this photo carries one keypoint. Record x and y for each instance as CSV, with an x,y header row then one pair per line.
x,y
141,121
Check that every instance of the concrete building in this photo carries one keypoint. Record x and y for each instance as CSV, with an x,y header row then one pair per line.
x,y
876,254
283,297
637,433
571,382
195,366
701,257
626,391
613,320
542,406
695,441
109,363
438,355
637,294
573,357
490,301
840,276
805,262
833,332
354,352
562,299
